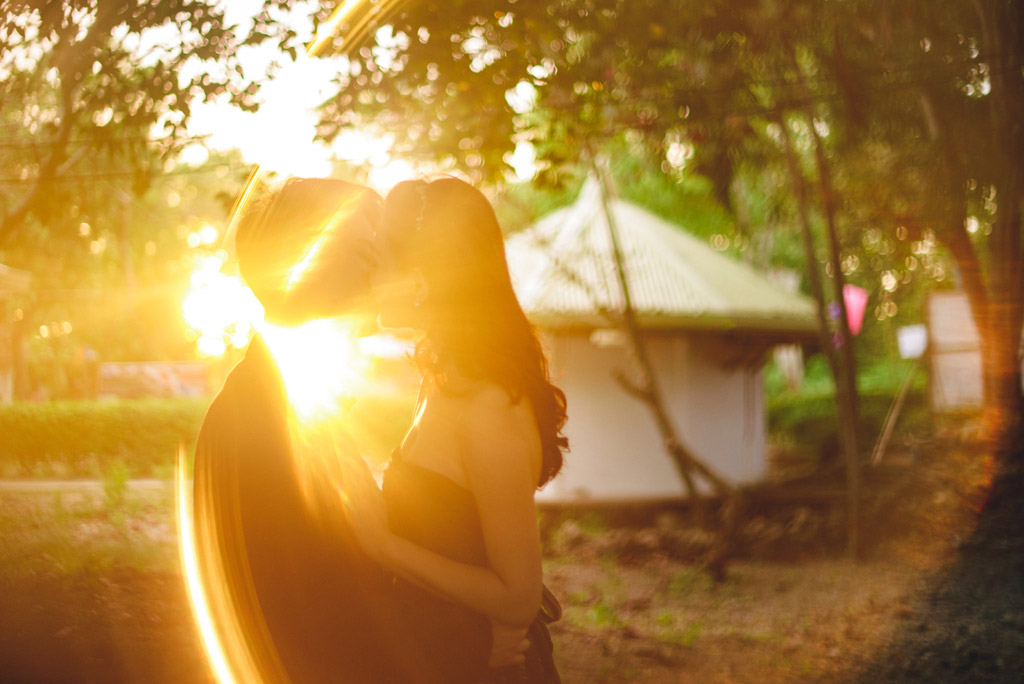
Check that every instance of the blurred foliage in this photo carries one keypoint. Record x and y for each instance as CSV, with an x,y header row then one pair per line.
x,y
816,380
807,423
115,484
91,438
878,374
678,197
109,275
94,103
104,90
918,105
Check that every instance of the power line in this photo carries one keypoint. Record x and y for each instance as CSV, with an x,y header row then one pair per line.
x,y
25,144
116,174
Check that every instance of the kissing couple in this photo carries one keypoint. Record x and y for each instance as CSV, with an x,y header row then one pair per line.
x,y
313,573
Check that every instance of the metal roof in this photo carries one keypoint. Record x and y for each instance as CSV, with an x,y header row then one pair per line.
x,y
563,270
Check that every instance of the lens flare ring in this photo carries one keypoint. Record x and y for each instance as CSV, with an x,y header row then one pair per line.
x,y
189,559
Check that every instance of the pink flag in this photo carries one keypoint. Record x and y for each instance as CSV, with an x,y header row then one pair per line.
x,y
856,300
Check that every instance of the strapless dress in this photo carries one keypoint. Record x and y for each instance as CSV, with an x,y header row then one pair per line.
x,y
435,512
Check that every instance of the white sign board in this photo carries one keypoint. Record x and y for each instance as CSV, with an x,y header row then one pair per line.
x,y
955,352
912,340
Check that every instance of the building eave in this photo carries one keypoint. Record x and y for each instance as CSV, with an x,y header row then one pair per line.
x,y
782,329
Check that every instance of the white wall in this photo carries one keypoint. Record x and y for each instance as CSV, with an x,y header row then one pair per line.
x,y
616,450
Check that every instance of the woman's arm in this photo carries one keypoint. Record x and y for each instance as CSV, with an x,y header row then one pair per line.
x,y
501,457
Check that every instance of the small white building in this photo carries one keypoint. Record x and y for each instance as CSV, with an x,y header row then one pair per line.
x,y
709,321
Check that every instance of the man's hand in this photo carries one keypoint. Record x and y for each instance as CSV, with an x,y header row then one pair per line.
x,y
508,645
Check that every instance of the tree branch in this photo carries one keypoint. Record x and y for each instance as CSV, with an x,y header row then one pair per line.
x,y
13,217
67,56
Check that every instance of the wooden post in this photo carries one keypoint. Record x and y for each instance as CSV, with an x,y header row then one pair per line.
x,y
893,415
846,426
846,382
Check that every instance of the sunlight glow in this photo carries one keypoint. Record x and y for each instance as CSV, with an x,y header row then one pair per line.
x,y
219,309
321,365
386,176
321,361
329,29
365,149
190,569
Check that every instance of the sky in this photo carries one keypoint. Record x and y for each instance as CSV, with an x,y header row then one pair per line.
x,y
280,135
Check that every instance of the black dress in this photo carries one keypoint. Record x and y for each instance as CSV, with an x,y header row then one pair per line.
x,y
433,511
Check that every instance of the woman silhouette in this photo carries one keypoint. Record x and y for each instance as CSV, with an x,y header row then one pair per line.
x,y
456,521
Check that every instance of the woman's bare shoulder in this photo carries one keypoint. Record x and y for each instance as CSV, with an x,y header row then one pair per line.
x,y
497,427
488,401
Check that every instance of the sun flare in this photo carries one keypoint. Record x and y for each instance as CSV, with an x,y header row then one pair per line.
x,y
219,309
322,362
321,365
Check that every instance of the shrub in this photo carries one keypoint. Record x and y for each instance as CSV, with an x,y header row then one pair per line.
x,y
810,423
87,438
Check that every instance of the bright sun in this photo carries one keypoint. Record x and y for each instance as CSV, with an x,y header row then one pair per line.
x,y
321,365
321,361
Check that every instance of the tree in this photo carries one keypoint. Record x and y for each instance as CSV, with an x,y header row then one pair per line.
x,y
110,79
919,108
109,275
951,123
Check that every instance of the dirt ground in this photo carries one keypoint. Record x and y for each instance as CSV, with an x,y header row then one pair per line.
x,y
968,625
90,591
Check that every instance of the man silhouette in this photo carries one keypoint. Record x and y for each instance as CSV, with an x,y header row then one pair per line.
x,y
291,595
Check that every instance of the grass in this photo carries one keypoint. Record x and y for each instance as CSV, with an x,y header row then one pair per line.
x,y
688,580
64,533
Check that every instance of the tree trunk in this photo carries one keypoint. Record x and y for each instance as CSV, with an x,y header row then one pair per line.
x,y
1000,331
846,381
807,240
846,377
648,389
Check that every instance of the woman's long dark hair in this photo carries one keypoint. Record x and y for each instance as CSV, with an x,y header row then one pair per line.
x,y
448,230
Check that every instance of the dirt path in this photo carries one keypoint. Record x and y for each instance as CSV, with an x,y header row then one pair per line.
x,y
114,625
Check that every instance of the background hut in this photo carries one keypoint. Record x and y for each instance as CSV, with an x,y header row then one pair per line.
x,y
708,320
